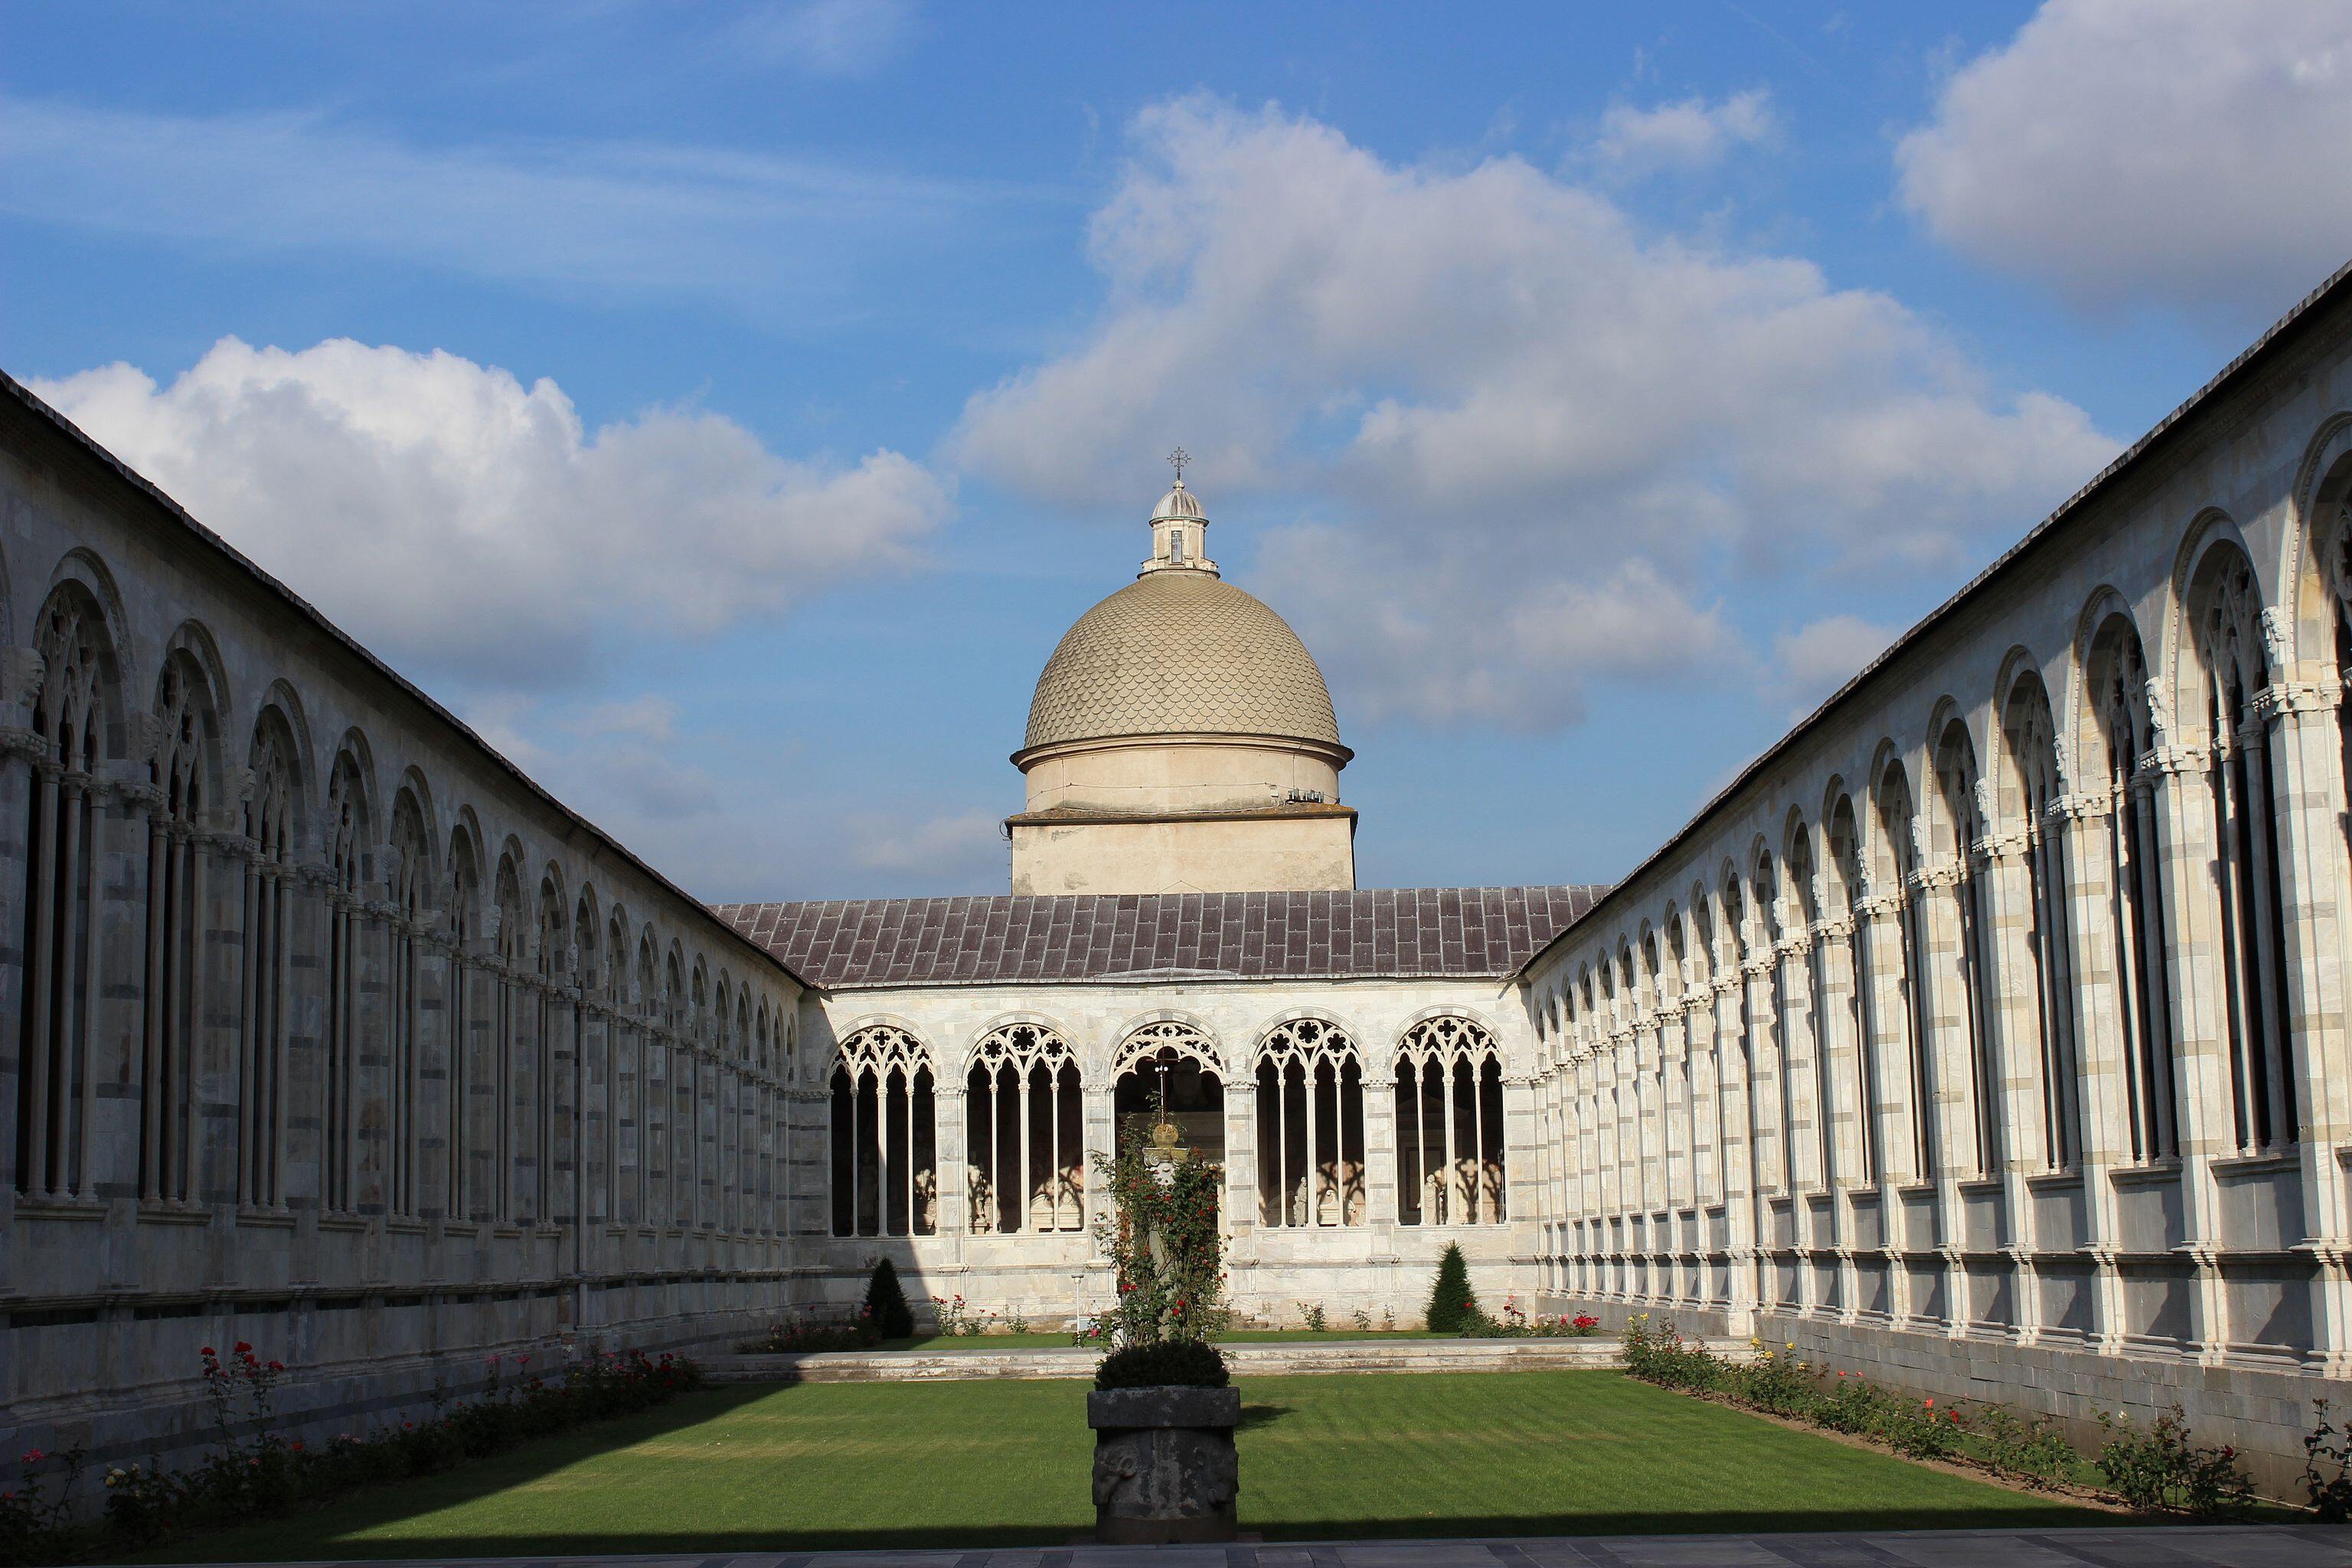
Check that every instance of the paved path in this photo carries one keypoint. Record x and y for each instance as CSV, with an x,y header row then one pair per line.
x,y
977,1361
2179,1546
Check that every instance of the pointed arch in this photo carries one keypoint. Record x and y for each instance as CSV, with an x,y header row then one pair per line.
x,y
1026,1129
1310,1101
1448,1088
184,773
884,1160
2226,667
2028,798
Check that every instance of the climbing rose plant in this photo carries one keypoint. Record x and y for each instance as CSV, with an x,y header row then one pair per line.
x,y
1179,1293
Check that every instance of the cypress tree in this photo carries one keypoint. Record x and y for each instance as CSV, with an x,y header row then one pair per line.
x,y
1451,1304
886,1303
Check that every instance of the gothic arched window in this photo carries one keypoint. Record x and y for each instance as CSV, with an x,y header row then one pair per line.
x,y
180,772
1449,1125
63,860
1897,823
338,1110
2225,618
465,886
2123,724
884,1136
407,873
1963,824
1310,1126
2034,789
1026,1133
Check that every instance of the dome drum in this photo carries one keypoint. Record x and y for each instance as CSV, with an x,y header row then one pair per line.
x,y
1181,737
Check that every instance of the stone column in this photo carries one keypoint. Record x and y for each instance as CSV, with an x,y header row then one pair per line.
x,y
1888,1084
1674,1073
1802,1164
2306,747
1740,1197
2083,823
20,681
1943,968
1767,1146
2014,1035
1837,1077
1099,1111
2199,1039
1700,1023
1240,1169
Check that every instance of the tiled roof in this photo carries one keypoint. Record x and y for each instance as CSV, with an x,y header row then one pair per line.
x,y
1367,933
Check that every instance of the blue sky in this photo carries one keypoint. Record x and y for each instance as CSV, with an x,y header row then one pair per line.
x,y
727,407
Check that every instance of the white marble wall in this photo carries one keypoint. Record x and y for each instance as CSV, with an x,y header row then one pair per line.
x,y
592,1218
1379,1264
1731,1088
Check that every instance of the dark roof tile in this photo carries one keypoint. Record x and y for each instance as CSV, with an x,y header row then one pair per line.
x,y
1366,933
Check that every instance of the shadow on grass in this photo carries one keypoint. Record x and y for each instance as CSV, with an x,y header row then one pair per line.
x,y
687,1543
326,1529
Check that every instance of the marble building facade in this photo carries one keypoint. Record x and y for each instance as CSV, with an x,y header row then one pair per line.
x,y
1989,1031
1986,1033
326,1028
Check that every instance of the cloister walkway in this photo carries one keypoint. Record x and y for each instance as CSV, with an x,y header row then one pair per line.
x,y
2217,1546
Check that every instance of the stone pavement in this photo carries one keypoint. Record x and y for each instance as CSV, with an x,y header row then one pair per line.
x,y
2179,1546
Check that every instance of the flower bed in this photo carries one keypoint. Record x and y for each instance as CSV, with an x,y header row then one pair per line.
x,y
254,1470
2157,1469
1515,1324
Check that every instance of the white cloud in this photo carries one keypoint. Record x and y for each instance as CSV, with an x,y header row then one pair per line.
x,y
2174,150
457,521
1818,658
824,37
1418,643
1550,433
769,231
1690,134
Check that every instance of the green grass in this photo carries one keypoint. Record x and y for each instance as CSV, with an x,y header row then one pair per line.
x,y
1005,1462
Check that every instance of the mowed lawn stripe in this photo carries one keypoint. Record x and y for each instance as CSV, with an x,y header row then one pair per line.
x,y
1008,1462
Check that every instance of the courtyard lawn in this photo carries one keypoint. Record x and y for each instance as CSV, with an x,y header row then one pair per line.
x,y
1006,1462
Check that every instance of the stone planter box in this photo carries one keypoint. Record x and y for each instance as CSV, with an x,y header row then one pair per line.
x,y
1165,1470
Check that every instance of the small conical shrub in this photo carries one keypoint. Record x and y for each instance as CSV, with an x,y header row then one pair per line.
x,y
886,1303
1451,1304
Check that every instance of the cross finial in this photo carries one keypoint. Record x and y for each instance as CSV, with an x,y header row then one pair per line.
x,y
1180,458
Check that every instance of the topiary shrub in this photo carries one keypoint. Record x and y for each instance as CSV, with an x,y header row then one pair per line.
x,y
1182,1363
1451,1305
885,1304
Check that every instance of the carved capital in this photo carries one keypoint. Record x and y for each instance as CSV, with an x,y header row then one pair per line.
x,y
2079,807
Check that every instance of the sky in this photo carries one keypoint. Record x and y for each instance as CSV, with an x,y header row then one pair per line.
x,y
726,408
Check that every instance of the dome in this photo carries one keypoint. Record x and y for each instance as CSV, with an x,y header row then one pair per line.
x,y
1181,652
1180,502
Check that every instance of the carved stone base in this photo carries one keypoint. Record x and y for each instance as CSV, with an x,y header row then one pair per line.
x,y
1165,1468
